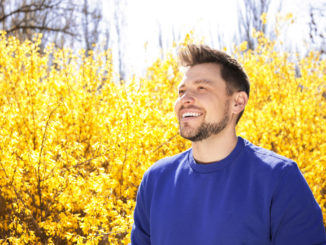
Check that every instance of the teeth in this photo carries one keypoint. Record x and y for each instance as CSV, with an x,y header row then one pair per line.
x,y
190,114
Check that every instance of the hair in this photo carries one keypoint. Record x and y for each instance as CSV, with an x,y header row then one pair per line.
x,y
231,71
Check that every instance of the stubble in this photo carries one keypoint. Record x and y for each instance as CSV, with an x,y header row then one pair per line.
x,y
205,130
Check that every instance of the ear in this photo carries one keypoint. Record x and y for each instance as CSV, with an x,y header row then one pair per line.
x,y
239,102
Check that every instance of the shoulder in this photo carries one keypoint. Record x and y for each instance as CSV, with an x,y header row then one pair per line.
x,y
162,171
295,216
266,158
167,164
278,174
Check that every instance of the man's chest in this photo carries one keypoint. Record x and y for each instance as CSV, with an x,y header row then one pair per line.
x,y
209,210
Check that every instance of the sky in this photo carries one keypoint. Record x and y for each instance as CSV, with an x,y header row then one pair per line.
x,y
209,19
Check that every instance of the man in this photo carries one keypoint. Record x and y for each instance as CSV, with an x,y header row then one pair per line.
x,y
224,190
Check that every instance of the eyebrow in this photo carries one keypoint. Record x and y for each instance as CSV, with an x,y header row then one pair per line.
x,y
201,81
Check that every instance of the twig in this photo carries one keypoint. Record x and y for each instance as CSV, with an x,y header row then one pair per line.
x,y
39,231
164,143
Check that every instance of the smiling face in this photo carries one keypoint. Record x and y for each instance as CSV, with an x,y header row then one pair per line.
x,y
203,105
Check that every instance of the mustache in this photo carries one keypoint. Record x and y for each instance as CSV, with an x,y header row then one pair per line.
x,y
189,107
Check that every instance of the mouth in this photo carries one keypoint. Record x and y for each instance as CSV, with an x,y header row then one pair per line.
x,y
190,115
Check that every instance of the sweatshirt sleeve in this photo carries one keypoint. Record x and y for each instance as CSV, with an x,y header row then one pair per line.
x,y
296,217
140,233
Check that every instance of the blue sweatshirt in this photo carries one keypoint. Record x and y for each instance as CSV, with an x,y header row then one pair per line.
x,y
253,197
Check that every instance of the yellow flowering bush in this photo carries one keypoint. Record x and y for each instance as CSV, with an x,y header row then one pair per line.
x,y
74,144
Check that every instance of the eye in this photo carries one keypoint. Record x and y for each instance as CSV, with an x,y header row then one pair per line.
x,y
181,92
201,88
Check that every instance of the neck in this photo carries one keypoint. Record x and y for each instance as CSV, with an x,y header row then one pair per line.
x,y
215,147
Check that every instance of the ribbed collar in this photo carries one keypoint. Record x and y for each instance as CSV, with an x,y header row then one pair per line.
x,y
215,166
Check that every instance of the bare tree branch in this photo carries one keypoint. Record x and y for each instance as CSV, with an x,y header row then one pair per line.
x,y
250,12
41,28
317,27
60,21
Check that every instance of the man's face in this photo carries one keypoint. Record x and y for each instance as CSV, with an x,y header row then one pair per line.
x,y
202,107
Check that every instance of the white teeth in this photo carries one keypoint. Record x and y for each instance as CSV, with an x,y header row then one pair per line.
x,y
190,114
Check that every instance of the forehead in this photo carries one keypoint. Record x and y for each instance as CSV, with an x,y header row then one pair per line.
x,y
202,73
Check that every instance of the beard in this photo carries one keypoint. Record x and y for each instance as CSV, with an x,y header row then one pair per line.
x,y
205,129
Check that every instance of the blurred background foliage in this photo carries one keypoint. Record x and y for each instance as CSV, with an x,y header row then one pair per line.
x,y
76,138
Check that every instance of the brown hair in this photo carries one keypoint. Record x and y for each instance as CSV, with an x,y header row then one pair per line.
x,y
231,71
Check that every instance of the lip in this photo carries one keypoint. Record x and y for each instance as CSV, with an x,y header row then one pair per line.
x,y
188,119
192,111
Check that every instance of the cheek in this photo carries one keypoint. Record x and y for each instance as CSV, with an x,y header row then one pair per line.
x,y
176,106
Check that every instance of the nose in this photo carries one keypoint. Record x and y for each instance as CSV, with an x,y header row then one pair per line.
x,y
187,98
184,100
